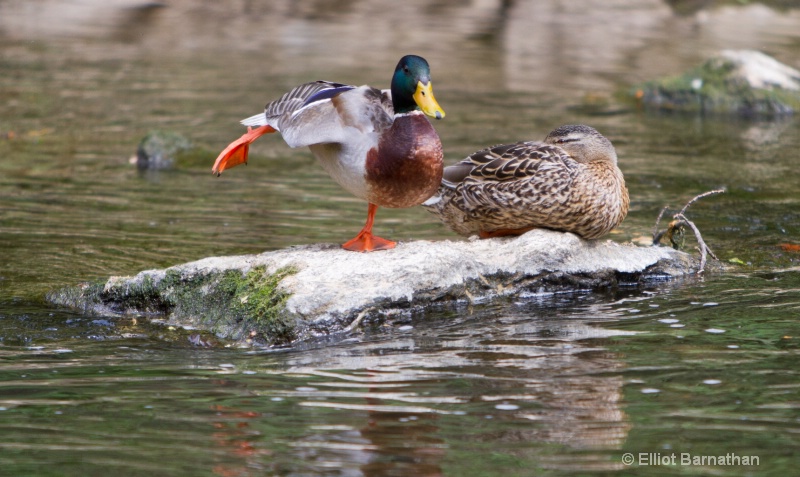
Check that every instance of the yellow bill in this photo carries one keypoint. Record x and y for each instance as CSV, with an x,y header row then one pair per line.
x,y
426,102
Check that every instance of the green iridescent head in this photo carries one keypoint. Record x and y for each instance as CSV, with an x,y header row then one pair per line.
x,y
412,88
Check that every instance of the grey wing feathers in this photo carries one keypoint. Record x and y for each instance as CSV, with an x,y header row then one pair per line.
x,y
302,95
291,101
325,112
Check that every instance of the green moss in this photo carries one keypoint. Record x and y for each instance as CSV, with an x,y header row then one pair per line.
x,y
82,297
257,296
230,304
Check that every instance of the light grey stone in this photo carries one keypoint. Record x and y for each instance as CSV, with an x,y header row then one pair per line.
x,y
331,290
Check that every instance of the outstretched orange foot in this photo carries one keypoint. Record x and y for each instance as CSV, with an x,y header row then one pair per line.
x,y
365,241
236,152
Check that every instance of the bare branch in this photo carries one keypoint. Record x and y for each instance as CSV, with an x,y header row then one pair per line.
x,y
676,227
704,250
698,197
656,236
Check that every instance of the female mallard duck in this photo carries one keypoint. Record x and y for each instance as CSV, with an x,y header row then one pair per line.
x,y
376,144
570,182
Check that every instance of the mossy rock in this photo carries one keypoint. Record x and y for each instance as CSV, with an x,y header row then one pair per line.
x,y
159,150
244,306
285,296
744,83
257,296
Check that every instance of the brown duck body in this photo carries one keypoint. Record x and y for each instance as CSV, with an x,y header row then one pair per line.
x,y
570,182
406,167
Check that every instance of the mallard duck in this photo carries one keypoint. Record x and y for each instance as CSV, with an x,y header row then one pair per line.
x,y
376,144
570,182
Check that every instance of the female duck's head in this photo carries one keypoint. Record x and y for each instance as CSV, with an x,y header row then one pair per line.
x,y
583,143
412,89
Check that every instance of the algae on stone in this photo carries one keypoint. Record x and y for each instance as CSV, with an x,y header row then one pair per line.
x,y
257,296
159,149
746,83
230,303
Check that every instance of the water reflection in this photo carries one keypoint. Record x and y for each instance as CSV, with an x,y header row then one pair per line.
x,y
408,401
510,379
563,382
587,45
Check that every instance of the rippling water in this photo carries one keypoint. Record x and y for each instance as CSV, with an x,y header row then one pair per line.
x,y
552,384
561,383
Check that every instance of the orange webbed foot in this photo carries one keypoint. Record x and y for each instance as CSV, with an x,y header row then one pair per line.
x,y
365,241
236,152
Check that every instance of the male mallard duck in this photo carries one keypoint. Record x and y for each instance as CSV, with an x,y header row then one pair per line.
x,y
376,144
570,182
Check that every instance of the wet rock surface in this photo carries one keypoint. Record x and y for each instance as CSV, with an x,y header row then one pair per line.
x,y
739,82
158,150
281,296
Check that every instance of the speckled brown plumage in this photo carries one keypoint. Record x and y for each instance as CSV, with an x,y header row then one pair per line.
x,y
570,182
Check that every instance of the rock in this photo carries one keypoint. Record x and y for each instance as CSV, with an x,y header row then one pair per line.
x,y
742,82
158,150
282,296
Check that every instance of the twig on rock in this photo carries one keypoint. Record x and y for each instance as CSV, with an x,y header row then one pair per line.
x,y
357,321
658,221
675,230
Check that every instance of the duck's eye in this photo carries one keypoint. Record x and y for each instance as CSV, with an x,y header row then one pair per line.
x,y
405,69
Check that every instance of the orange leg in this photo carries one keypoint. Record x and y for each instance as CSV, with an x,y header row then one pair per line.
x,y
365,241
236,152
504,232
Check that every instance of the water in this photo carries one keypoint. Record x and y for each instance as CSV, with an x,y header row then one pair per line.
x,y
551,384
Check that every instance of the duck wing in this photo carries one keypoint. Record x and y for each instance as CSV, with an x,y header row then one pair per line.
x,y
529,171
501,162
519,161
322,111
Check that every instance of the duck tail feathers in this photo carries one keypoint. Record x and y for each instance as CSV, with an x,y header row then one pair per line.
x,y
255,120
